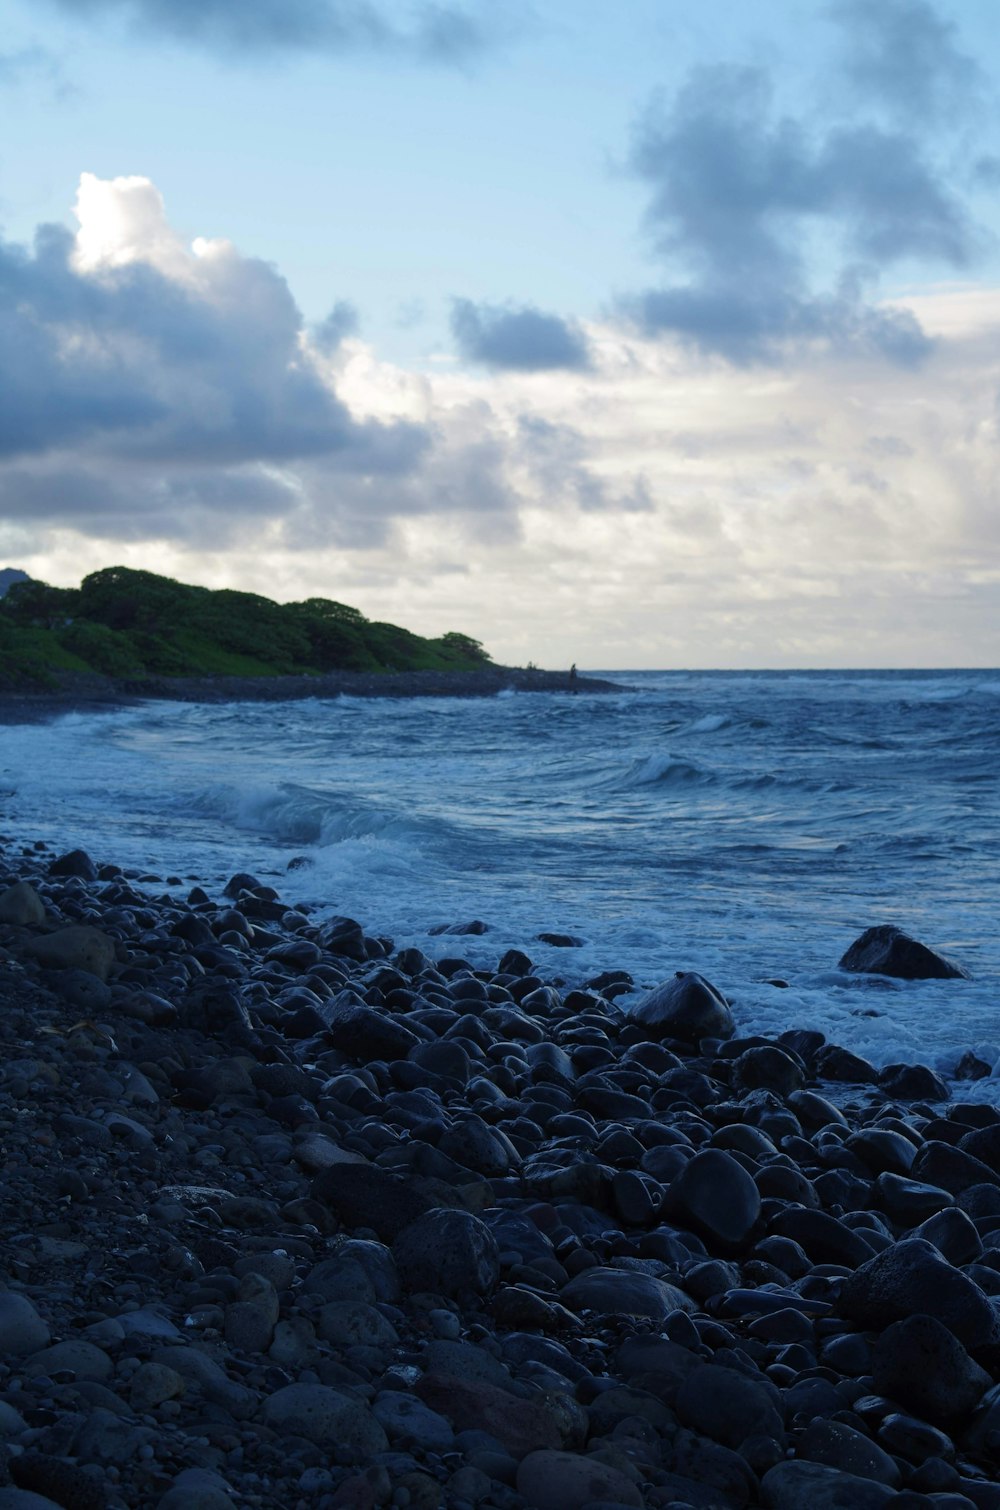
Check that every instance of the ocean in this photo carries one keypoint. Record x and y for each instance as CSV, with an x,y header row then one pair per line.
x,y
745,825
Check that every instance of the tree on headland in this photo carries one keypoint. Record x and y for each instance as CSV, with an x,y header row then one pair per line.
x,y
132,624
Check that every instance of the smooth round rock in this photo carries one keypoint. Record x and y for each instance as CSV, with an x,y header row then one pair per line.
x,y
717,1198
326,1417
568,1481
22,1330
624,1292
795,1484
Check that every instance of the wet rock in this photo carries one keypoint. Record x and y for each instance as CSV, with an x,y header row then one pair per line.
x,y
767,1067
716,1197
688,1007
920,1363
840,1446
887,950
520,1426
365,1196
728,1406
364,1034
76,862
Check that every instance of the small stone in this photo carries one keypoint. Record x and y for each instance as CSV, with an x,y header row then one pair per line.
x,y
624,1292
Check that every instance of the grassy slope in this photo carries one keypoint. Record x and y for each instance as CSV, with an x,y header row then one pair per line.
x,y
130,625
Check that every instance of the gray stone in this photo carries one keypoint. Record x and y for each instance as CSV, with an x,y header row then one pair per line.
x,y
78,1357
728,1406
912,1278
326,1417
21,905
407,1420
78,947
841,1446
353,1323
624,1292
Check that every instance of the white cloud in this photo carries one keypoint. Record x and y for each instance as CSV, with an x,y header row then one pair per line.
x,y
658,508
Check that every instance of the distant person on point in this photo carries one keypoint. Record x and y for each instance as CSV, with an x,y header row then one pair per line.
x,y
572,677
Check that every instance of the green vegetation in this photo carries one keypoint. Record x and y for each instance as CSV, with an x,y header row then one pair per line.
x,y
133,624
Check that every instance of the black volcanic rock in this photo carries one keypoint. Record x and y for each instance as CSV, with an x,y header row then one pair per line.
x,y
912,1277
687,1007
887,950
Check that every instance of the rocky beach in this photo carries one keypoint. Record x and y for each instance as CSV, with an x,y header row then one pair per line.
x,y
294,1218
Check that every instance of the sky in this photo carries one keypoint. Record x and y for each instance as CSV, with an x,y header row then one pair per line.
x,y
637,336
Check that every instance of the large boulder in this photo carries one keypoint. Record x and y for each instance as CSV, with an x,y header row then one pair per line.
x,y
78,947
910,1278
887,950
920,1363
687,1007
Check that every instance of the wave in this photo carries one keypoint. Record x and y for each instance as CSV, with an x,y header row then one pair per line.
x,y
301,816
660,770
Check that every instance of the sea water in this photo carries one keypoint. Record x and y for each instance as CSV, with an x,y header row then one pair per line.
x,y
745,825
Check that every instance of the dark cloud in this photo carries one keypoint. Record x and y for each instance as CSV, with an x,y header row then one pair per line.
x,y
208,369
437,33
524,340
737,191
904,54
341,322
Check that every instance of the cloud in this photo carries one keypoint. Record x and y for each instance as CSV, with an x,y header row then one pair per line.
x,y
125,340
739,193
341,322
904,54
524,340
435,33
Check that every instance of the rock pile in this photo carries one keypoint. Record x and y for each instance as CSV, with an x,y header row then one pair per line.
x,y
295,1219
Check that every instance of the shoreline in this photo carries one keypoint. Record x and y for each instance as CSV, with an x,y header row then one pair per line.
x,y
286,1208
86,693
